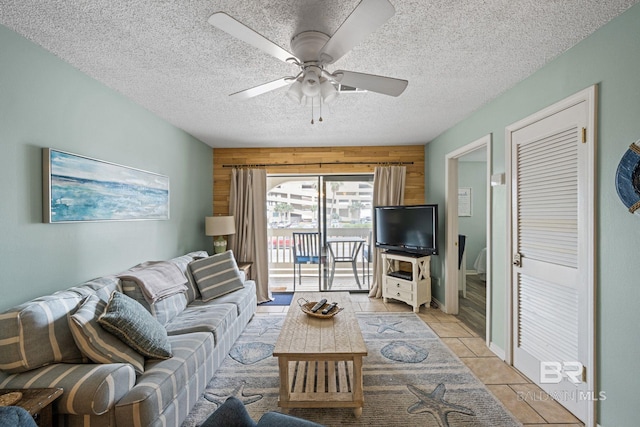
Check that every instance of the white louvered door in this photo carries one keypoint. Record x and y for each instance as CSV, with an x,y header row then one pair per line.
x,y
552,244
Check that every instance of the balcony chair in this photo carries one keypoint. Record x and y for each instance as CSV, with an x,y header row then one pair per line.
x,y
306,250
367,259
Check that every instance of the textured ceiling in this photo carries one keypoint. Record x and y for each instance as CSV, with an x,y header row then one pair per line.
x,y
456,54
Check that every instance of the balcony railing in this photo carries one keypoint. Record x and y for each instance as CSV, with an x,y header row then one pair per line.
x,y
345,241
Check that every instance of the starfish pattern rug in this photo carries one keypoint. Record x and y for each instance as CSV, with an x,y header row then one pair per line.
x,y
411,378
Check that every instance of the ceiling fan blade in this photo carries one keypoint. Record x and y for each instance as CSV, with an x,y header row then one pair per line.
x,y
263,88
240,31
364,20
370,82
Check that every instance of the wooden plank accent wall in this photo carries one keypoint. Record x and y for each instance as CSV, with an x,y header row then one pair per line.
x,y
414,190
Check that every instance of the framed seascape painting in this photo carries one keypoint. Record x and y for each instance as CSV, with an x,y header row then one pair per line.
x,y
78,188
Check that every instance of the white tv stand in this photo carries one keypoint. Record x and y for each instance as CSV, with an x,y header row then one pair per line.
x,y
412,287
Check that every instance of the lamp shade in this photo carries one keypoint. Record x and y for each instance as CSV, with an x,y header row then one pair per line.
x,y
219,225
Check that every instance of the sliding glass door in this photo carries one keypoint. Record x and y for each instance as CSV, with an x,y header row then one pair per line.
x,y
319,232
347,201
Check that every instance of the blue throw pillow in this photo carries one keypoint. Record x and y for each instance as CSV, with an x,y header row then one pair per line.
x,y
128,320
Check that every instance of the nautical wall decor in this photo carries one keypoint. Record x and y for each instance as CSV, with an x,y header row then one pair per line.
x,y
628,178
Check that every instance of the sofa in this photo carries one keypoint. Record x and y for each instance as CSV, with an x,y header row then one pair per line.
x,y
62,340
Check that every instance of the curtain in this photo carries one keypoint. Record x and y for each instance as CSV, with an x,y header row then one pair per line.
x,y
388,190
248,204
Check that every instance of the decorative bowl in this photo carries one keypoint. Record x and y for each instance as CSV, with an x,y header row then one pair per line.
x,y
306,307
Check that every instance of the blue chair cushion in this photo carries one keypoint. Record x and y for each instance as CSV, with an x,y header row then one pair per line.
x,y
15,416
308,259
232,413
276,419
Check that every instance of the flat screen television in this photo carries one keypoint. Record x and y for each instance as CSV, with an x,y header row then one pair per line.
x,y
407,229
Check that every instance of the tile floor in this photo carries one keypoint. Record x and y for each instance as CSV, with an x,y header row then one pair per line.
x,y
517,393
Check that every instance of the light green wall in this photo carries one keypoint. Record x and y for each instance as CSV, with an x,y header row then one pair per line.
x,y
609,58
45,102
474,175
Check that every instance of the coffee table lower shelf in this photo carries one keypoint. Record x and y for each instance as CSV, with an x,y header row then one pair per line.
x,y
335,382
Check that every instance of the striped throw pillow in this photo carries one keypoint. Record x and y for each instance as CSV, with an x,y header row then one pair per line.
x,y
97,343
125,318
216,275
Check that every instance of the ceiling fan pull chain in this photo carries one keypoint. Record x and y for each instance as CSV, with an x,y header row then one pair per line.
x,y
320,118
312,111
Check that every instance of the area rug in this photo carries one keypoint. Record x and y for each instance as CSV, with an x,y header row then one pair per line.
x,y
411,378
280,298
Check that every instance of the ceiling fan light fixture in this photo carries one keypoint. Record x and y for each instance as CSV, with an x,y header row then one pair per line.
x,y
311,81
328,91
295,92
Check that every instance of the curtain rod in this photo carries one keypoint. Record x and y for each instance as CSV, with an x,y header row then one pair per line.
x,y
320,164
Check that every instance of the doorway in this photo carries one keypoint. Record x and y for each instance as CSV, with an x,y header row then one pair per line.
x,y
472,240
470,251
332,213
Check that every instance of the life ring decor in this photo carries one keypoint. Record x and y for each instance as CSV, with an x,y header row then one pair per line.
x,y
628,178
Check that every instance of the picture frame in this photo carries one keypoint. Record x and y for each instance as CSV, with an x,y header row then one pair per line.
x,y
464,201
77,188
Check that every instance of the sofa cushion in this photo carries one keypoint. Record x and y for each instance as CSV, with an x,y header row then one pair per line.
x,y
95,342
88,388
212,318
36,333
129,321
157,279
216,275
242,298
163,380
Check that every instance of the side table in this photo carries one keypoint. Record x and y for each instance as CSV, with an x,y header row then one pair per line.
x,y
246,267
37,401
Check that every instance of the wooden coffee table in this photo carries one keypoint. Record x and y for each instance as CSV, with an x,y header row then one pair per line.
x,y
320,360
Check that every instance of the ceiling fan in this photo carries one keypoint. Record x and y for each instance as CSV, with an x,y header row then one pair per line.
x,y
313,51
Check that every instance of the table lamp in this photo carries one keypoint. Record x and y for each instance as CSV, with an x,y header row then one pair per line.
x,y
219,227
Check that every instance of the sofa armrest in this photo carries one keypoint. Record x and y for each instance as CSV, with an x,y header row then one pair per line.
x,y
89,389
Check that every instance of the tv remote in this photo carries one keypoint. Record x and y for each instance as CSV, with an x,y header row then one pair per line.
x,y
319,305
328,309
